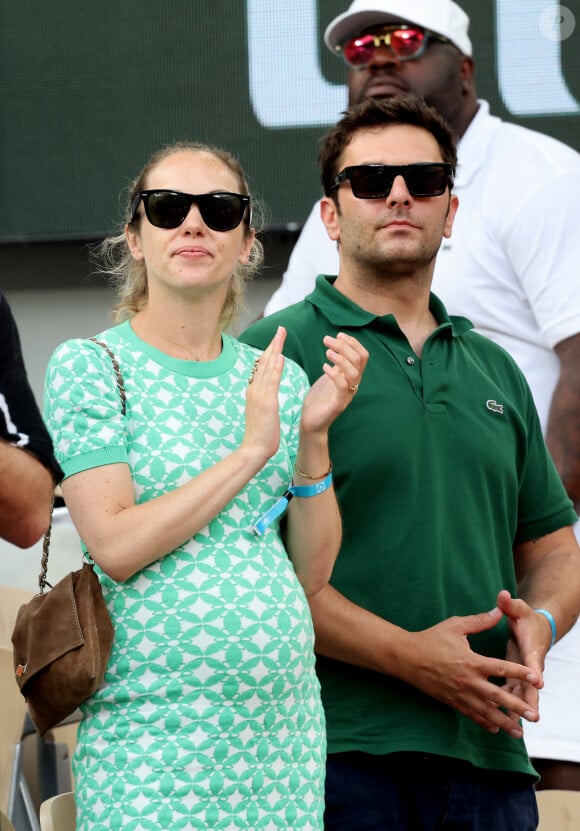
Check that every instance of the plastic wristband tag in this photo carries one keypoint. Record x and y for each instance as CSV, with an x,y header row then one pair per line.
x,y
275,511
301,491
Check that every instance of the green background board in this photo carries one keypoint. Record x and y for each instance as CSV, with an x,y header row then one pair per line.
x,y
90,90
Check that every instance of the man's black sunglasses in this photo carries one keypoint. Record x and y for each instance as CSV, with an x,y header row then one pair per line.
x,y
374,181
221,211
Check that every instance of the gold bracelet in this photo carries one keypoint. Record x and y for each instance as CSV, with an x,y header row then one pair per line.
x,y
309,476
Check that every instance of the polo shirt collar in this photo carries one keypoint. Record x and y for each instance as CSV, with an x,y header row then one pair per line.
x,y
342,312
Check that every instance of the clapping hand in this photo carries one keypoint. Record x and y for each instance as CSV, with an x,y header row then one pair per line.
x,y
334,390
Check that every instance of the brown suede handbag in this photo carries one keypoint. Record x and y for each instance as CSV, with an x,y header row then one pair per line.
x,y
63,638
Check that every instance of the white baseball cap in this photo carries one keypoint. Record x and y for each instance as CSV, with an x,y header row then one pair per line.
x,y
444,17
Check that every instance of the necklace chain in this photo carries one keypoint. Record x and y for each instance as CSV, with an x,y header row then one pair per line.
x,y
180,346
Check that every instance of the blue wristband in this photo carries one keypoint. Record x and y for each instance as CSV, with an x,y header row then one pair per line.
x,y
312,490
302,491
550,618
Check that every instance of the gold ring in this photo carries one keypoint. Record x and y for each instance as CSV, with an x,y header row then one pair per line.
x,y
353,389
254,370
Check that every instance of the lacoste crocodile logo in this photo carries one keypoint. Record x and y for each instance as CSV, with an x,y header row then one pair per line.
x,y
494,406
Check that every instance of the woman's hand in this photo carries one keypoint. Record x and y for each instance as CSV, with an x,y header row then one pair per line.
x,y
336,387
262,412
313,531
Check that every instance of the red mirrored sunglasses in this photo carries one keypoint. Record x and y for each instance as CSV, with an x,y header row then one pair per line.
x,y
406,42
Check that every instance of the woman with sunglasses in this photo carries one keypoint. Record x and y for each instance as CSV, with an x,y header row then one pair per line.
x,y
210,713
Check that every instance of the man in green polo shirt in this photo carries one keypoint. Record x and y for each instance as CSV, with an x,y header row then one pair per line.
x,y
450,502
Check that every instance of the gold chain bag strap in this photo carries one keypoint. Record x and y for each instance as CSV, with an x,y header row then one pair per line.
x,y
62,638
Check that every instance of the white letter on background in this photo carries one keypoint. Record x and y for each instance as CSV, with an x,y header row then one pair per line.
x,y
530,57
287,88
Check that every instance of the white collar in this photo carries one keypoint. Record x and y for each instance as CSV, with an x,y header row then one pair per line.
x,y
472,150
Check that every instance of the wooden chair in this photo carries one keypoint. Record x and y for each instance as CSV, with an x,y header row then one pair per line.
x,y
11,599
12,715
559,810
58,813
5,824
14,795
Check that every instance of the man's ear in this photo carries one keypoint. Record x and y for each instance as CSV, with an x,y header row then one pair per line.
x,y
329,213
453,205
467,68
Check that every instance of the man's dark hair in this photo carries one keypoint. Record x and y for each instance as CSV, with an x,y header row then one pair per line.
x,y
373,113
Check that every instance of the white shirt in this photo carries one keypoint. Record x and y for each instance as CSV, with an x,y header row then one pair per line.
x,y
512,267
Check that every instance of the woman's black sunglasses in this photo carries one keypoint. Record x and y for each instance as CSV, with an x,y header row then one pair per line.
x,y
374,181
221,211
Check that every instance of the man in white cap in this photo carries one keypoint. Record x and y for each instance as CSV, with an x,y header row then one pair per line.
x,y
511,266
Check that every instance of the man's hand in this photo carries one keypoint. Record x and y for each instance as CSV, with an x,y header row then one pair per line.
x,y
438,661
529,642
442,664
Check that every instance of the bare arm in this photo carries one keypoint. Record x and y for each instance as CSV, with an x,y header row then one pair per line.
x,y
438,661
563,433
26,483
123,537
314,526
26,494
548,572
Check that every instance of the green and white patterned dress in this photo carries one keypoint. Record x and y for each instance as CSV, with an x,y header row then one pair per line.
x,y
210,715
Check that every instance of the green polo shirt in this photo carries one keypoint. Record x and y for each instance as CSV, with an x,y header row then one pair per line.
x,y
439,468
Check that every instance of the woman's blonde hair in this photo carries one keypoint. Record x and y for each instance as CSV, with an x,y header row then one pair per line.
x,y
113,257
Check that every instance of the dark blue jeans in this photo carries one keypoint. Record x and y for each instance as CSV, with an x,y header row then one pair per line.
x,y
418,792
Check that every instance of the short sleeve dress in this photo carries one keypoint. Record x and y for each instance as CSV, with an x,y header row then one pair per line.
x,y
210,714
